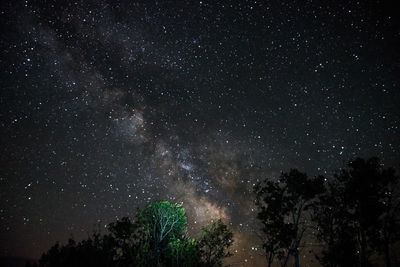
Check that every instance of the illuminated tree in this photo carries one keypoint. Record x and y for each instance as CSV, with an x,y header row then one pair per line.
x,y
162,221
157,236
182,252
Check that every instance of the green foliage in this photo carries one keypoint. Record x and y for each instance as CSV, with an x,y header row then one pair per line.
x,y
162,222
214,243
354,215
157,236
182,252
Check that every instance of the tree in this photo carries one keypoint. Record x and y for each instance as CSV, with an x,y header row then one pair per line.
x,y
358,215
126,242
157,236
182,252
365,186
389,233
89,253
214,244
283,206
334,229
277,233
162,221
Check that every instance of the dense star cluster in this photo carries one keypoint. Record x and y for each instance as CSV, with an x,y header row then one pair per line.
x,y
106,106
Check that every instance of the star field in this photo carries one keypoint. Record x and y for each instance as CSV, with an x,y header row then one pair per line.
x,y
106,106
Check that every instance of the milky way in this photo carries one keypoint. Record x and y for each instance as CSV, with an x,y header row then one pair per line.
x,y
106,106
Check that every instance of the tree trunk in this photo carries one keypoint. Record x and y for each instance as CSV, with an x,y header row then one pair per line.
x,y
296,258
286,259
363,250
387,254
270,259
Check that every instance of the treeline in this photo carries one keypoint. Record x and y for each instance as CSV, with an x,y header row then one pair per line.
x,y
352,217
157,236
348,220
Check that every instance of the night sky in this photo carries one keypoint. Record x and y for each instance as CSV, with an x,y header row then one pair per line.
x,y
106,106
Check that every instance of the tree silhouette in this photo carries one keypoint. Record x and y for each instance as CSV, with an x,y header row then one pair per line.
x,y
126,242
358,215
157,236
283,206
214,244
85,253
335,229
389,220
354,215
